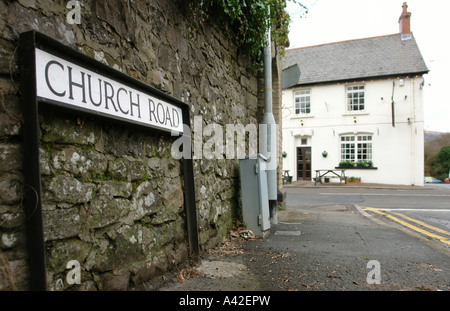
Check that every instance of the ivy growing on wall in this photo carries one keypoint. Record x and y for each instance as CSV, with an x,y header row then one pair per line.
x,y
246,21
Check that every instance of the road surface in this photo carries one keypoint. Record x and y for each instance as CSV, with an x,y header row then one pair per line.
x,y
423,210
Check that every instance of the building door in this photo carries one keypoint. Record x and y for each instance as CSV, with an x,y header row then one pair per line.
x,y
303,163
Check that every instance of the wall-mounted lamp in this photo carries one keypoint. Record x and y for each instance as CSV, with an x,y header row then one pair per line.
x,y
301,122
355,120
409,121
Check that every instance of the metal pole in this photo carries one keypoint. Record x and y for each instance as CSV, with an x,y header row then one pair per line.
x,y
189,195
269,130
32,198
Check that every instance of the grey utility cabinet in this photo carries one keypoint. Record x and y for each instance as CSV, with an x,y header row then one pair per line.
x,y
254,192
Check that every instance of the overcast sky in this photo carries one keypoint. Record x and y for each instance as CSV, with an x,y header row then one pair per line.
x,y
331,21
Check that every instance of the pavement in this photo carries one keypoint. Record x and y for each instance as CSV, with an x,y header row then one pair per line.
x,y
318,248
310,184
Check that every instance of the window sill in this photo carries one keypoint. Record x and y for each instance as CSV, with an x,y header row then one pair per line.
x,y
355,113
303,116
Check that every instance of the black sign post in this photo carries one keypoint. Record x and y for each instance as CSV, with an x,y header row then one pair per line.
x,y
54,74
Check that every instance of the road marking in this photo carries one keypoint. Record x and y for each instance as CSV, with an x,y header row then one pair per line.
x,y
388,194
415,209
423,224
411,219
288,233
385,213
364,213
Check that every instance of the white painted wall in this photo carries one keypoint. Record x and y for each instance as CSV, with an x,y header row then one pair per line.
x,y
398,151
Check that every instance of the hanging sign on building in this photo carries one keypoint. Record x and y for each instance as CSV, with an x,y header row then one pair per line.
x,y
69,84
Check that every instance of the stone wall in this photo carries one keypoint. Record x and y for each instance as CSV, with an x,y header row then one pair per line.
x,y
112,195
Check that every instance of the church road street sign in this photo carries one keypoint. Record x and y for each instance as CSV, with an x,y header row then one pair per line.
x,y
70,84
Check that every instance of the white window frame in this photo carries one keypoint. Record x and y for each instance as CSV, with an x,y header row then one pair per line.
x,y
356,147
355,97
302,102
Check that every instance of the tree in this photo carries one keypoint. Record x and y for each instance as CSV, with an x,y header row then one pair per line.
x,y
433,144
441,164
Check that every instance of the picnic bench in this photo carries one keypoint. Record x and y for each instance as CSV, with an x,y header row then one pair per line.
x,y
330,173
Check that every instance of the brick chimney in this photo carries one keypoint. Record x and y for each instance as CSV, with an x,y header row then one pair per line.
x,y
405,23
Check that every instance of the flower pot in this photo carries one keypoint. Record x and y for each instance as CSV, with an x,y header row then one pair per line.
x,y
354,181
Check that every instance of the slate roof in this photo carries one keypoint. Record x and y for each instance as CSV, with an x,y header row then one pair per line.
x,y
356,59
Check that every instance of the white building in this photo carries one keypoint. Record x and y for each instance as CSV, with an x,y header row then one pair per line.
x,y
359,101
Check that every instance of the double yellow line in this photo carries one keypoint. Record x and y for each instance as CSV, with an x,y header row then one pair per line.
x,y
390,214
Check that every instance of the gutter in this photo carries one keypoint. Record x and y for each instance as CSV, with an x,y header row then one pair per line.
x,y
357,80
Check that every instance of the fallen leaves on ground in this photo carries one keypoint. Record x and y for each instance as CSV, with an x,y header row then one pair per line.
x,y
188,273
227,249
234,243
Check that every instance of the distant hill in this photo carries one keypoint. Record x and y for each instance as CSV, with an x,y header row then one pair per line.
x,y
431,135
